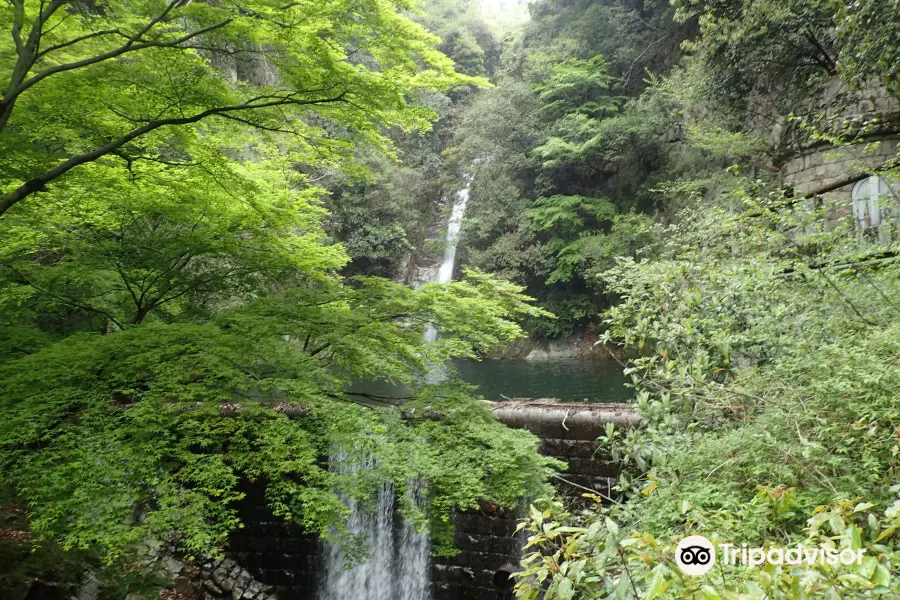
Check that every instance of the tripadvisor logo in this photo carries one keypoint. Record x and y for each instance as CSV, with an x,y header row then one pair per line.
x,y
696,555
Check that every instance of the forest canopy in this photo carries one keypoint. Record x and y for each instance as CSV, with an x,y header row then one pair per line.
x,y
174,319
217,218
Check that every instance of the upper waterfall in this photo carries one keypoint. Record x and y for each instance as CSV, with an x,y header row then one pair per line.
x,y
445,272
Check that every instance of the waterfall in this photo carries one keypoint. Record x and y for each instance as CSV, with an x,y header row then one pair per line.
x,y
414,556
445,272
398,565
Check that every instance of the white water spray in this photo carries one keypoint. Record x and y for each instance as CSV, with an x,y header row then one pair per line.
x,y
398,566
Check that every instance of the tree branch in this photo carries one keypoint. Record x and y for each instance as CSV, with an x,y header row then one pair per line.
x,y
826,61
77,40
130,46
18,23
64,299
26,53
38,183
29,52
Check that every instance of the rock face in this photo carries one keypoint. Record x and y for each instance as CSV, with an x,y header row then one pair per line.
x,y
560,349
421,274
226,579
222,579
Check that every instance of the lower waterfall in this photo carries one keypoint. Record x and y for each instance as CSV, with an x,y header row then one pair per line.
x,y
398,566
399,562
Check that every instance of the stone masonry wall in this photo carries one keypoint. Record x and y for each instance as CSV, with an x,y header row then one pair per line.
x,y
838,108
485,538
808,164
820,166
276,553
271,559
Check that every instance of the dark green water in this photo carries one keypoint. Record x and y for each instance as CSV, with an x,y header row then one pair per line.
x,y
569,380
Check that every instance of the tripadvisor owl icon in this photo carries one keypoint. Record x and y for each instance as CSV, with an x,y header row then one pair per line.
x,y
695,555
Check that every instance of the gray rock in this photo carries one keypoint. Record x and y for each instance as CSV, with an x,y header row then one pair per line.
x,y
89,590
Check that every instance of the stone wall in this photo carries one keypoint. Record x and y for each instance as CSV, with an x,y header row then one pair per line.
x,y
870,115
581,346
821,166
839,109
277,553
485,538
270,559
569,432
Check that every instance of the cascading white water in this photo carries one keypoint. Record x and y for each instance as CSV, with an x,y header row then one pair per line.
x,y
398,566
414,556
445,272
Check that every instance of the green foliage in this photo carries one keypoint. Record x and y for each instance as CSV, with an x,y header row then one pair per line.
x,y
566,215
176,316
24,560
578,86
869,38
119,245
193,199
496,235
504,15
570,143
567,119
765,327
629,235
465,36
618,564
383,219
633,37
753,54
115,441
377,219
165,72
767,386
577,250
763,52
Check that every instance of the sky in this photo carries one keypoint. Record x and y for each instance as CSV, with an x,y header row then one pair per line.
x,y
505,14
